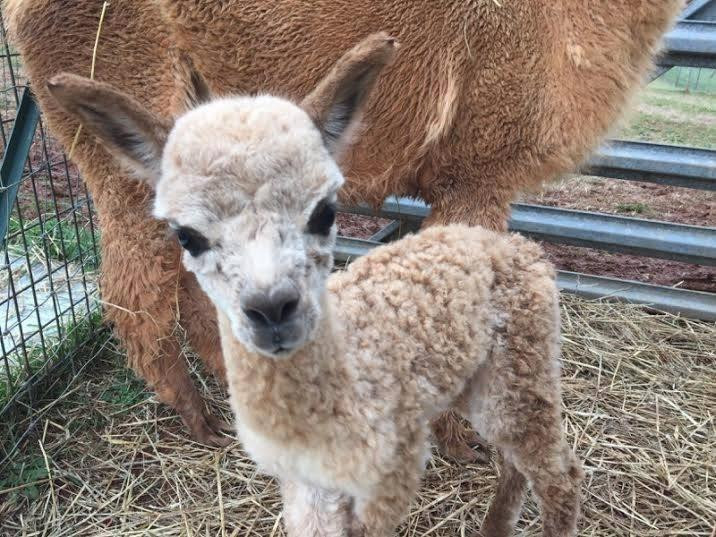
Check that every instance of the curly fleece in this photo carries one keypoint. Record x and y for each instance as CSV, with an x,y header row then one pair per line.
x,y
454,317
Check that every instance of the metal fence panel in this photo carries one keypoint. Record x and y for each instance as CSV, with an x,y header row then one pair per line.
x,y
50,258
686,167
691,44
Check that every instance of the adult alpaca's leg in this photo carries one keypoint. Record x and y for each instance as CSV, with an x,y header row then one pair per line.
x,y
139,290
198,318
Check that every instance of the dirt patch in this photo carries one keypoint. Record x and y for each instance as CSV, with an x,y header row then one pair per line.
x,y
629,267
358,226
629,198
639,200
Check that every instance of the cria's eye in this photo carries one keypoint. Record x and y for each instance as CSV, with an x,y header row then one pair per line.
x,y
192,241
322,218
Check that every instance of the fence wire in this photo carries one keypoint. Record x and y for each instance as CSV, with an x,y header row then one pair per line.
x,y
50,254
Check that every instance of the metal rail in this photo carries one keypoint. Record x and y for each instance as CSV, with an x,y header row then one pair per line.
x,y
690,44
655,163
690,244
693,304
703,10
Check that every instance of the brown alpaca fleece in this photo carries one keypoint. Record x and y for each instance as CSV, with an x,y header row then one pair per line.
x,y
487,98
144,287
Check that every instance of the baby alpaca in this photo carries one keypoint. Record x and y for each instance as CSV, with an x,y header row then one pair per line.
x,y
334,379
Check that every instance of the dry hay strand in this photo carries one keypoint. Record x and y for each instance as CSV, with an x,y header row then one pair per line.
x,y
639,395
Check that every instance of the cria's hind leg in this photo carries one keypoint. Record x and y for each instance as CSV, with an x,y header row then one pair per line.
x,y
506,505
515,400
555,475
528,433
526,428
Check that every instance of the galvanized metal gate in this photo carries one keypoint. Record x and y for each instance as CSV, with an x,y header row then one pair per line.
x,y
691,43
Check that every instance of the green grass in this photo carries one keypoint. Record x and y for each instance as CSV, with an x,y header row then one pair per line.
x,y
54,380
75,336
657,128
680,102
63,241
24,473
110,382
125,391
633,208
667,116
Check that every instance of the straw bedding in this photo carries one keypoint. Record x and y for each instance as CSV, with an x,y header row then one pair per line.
x,y
640,400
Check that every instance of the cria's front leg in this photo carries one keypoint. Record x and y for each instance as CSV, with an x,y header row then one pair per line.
x,y
314,512
380,515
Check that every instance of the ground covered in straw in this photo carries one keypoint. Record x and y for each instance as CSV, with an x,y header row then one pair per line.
x,y
640,400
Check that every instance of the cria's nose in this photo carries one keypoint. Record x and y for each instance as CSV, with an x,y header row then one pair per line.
x,y
272,308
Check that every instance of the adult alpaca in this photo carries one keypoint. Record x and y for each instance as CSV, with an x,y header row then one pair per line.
x,y
488,98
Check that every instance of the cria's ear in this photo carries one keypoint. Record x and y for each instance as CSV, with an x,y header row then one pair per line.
x,y
191,87
130,132
335,104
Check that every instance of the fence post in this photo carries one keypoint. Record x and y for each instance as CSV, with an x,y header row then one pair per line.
x,y
16,154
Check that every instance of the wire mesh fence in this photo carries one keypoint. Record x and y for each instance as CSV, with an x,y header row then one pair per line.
x,y
692,79
50,252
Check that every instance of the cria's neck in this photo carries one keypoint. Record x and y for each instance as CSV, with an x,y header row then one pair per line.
x,y
290,395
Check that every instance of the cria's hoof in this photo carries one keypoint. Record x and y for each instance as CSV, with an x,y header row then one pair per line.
x,y
469,448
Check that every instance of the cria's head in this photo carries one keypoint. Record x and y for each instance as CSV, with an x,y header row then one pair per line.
x,y
248,184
